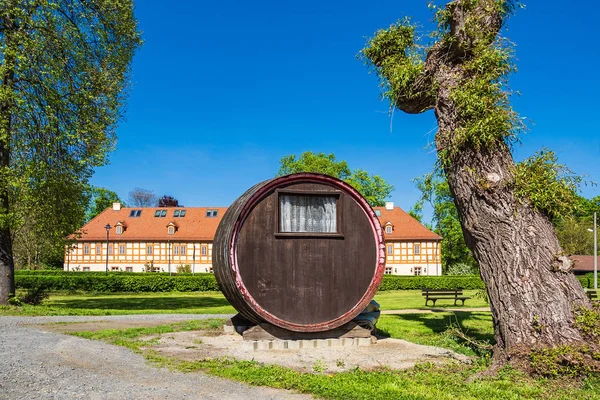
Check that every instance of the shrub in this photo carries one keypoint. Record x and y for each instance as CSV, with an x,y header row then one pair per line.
x,y
394,282
187,268
118,282
460,269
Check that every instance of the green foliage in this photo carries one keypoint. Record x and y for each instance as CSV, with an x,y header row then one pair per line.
x,y
394,282
187,268
100,200
373,187
435,191
117,282
569,361
461,269
63,80
549,186
397,59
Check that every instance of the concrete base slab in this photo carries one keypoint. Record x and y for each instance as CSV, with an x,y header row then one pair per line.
x,y
261,345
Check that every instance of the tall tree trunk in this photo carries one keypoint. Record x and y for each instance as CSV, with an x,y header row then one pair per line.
x,y
533,293
7,268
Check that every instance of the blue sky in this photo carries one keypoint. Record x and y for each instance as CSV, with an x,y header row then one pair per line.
x,y
222,90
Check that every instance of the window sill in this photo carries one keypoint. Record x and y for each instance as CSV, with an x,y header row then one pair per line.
x,y
309,235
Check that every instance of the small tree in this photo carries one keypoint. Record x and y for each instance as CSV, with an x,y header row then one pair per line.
x,y
139,197
168,201
373,187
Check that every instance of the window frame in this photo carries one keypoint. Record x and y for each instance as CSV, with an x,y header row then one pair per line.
x,y
98,249
322,193
175,250
212,213
390,250
204,250
86,250
122,249
183,250
417,269
171,230
119,229
417,249
85,269
128,269
151,248
389,229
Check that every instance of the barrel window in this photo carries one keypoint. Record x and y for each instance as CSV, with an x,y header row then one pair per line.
x,y
310,213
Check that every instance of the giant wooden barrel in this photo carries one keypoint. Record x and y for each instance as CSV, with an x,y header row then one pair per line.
x,y
303,252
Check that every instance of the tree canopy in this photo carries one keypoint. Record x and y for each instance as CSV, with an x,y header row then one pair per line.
x,y
100,200
64,69
139,197
373,187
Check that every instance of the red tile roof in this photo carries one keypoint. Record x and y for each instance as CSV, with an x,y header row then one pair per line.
x,y
584,263
404,226
197,226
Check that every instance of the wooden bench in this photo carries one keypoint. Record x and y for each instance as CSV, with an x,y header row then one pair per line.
x,y
592,294
444,294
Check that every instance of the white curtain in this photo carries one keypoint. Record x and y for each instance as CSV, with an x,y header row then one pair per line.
x,y
307,213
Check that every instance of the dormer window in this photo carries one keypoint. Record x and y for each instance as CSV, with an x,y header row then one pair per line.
x,y
119,228
211,213
160,213
179,213
388,229
171,230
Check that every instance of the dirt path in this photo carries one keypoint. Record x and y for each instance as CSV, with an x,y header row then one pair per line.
x,y
38,364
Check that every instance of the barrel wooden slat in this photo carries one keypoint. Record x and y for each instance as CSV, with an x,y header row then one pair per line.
x,y
300,282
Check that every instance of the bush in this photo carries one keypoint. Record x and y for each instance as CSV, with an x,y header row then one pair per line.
x,y
118,282
460,269
394,282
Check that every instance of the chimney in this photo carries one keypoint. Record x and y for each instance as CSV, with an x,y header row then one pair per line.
x,y
389,205
116,206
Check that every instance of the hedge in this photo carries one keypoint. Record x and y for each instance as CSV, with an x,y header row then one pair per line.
x,y
159,282
118,282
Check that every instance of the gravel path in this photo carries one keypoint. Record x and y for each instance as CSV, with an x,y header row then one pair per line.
x,y
36,364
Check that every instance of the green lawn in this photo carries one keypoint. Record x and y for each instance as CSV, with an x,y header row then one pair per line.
x,y
189,303
423,382
405,299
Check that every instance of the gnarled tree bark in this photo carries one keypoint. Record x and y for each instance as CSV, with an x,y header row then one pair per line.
x,y
533,294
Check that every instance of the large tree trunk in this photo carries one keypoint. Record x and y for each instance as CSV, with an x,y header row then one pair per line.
x,y
533,294
7,269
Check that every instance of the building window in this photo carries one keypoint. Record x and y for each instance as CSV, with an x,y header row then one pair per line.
x,y
211,213
183,251
388,229
122,249
160,213
307,214
110,249
204,250
119,229
179,213
390,250
171,230
135,213
128,269
378,213
114,268
388,270
417,270
148,249
176,250
417,249
86,249
98,249
86,269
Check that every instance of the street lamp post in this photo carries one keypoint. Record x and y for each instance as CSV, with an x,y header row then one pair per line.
x,y
595,253
107,227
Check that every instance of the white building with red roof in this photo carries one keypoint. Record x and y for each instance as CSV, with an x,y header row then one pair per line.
x,y
162,239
